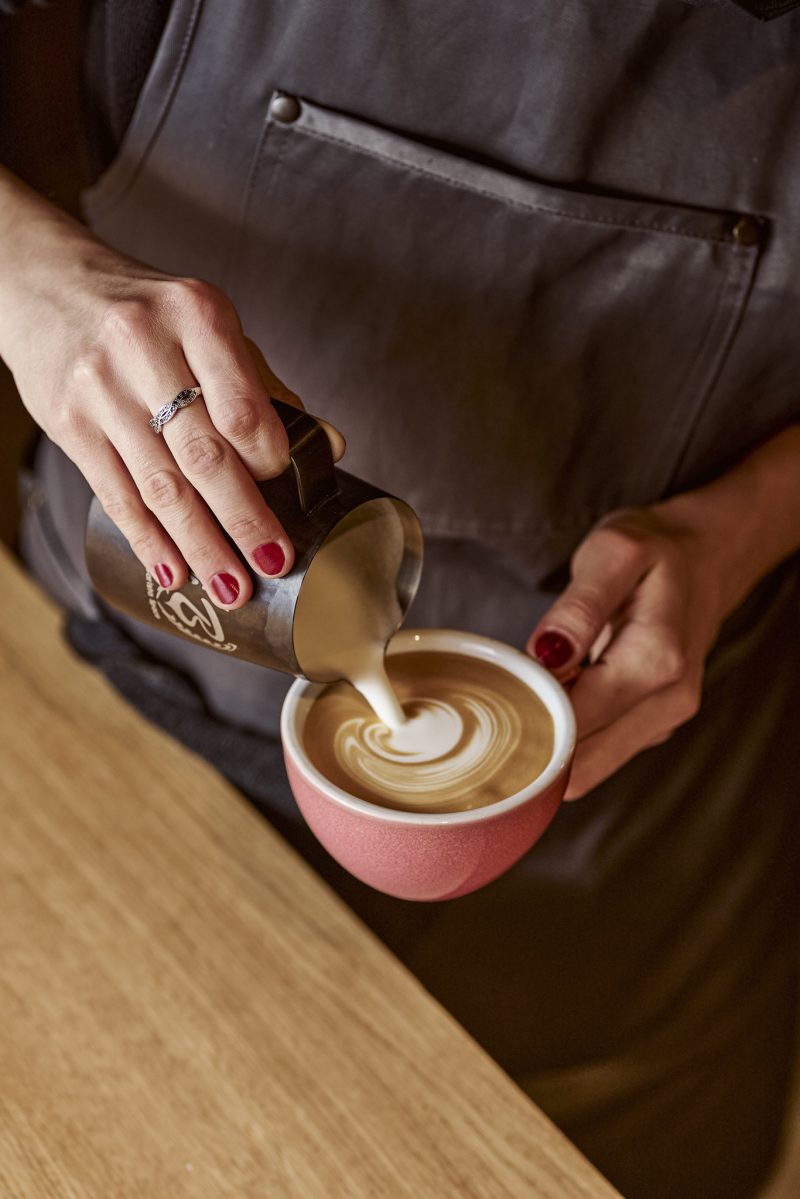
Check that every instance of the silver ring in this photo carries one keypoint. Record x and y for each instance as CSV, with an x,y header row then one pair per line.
x,y
182,400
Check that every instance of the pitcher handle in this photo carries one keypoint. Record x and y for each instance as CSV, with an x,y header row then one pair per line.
x,y
310,454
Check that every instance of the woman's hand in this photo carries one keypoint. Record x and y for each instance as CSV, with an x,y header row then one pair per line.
x,y
650,588
97,344
644,608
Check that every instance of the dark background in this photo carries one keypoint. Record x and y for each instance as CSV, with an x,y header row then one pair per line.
x,y
40,140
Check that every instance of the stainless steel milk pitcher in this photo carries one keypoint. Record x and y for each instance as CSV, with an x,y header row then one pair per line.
x,y
315,502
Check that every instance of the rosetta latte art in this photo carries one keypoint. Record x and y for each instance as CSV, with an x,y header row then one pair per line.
x,y
474,734
468,737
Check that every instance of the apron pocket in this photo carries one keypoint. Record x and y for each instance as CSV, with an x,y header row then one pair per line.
x,y
512,358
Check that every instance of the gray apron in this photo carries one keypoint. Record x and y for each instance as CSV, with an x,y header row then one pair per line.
x,y
537,261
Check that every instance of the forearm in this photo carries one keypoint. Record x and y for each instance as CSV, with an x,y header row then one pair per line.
x,y
750,516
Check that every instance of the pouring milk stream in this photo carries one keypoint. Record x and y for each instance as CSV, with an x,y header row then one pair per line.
x,y
347,605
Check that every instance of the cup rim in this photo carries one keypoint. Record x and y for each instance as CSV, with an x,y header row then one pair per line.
x,y
534,675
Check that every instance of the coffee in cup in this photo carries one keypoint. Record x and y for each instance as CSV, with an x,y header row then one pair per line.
x,y
474,734
399,840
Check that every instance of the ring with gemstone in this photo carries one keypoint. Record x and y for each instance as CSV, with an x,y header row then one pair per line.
x,y
182,400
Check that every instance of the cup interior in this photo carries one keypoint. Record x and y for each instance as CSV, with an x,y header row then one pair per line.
x,y
303,692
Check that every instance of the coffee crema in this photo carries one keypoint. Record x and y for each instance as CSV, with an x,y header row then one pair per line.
x,y
474,734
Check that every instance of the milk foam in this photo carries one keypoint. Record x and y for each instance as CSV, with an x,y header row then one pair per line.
x,y
431,729
445,743
473,735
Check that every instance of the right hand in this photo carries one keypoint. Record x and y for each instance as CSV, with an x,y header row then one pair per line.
x,y
98,343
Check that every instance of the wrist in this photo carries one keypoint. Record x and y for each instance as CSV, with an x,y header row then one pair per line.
x,y
747,521
43,252
25,219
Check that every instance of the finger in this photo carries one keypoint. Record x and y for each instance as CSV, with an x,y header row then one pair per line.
x,y
217,473
649,723
219,476
208,461
279,391
606,569
111,482
272,385
644,656
169,495
237,401
179,508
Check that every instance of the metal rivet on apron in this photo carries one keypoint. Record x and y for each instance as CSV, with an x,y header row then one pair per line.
x,y
284,109
747,231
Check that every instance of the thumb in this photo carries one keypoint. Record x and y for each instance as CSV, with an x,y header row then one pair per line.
x,y
277,388
606,569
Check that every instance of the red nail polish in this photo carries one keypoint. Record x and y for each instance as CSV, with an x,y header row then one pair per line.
x,y
553,650
164,575
270,558
225,587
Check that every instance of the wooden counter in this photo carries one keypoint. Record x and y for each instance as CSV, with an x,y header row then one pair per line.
x,y
186,1009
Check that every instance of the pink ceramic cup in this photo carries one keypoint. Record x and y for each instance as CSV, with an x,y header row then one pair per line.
x,y
431,855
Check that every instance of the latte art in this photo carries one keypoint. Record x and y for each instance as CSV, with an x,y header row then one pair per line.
x,y
473,734
445,742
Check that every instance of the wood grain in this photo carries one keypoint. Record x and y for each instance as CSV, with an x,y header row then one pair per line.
x,y
186,1010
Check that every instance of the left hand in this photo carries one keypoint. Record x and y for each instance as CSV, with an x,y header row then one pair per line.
x,y
644,607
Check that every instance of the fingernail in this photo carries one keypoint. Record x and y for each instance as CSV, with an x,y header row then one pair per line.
x,y
270,558
164,575
553,650
225,587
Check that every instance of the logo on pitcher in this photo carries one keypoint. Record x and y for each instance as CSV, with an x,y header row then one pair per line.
x,y
197,619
